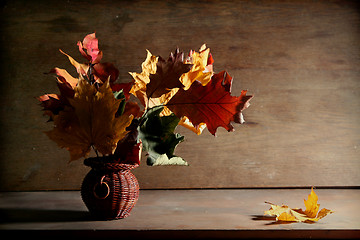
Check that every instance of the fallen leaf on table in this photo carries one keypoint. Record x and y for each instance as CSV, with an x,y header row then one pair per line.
x,y
311,214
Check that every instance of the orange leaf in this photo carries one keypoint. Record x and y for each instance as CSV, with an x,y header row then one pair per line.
x,y
64,76
80,67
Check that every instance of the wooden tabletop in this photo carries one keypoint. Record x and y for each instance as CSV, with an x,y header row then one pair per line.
x,y
183,213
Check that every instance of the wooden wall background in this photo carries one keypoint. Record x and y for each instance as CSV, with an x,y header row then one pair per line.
x,y
299,58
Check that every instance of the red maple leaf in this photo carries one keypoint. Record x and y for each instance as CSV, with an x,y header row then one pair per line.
x,y
211,104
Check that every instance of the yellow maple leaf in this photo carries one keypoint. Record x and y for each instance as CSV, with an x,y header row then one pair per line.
x,y
311,205
286,217
198,70
286,214
143,78
90,121
311,213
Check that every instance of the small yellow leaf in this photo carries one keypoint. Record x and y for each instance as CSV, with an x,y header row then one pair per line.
x,y
284,213
286,217
323,212
311,205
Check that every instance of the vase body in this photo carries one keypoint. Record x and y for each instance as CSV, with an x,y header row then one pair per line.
x,y
109,190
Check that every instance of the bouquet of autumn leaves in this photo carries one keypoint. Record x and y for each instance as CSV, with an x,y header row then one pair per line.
x,y
92,111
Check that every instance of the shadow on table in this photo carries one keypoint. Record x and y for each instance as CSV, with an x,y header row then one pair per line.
x,y
270,220
16,215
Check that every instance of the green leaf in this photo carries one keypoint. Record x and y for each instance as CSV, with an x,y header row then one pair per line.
x,y
120,95
158,138
164,160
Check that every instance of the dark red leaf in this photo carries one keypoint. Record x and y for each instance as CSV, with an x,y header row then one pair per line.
x,y
132,108
126,87
104,70
51,104
128,149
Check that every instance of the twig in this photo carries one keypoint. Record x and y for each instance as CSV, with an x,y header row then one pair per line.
x,y
97,154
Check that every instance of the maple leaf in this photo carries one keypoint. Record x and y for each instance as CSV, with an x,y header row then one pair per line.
x,y
69,134
167,75
158,138
311,205
311,214
199,71
143,78
211,104
90,121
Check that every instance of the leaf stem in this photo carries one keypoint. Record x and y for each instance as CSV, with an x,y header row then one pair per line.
x,y
96,151
91,74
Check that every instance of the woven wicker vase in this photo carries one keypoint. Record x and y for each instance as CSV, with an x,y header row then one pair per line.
x,y
109,190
